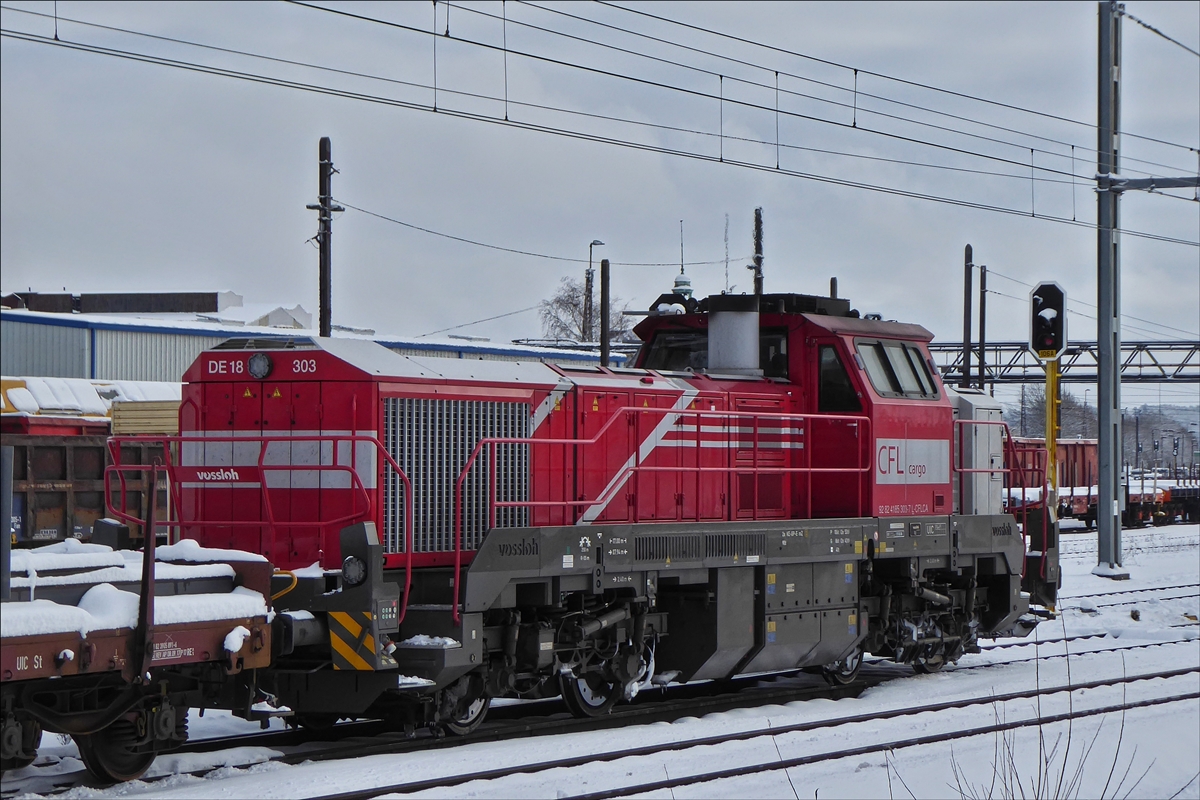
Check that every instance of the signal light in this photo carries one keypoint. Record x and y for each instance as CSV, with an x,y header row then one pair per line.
x,y
1048,321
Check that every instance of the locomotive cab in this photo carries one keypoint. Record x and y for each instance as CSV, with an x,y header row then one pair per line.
x,y
837,366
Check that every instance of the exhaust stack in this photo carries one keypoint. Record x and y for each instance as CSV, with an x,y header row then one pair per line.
x,y
733,334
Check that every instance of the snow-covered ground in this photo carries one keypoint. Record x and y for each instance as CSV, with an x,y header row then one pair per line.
x,y
1146,752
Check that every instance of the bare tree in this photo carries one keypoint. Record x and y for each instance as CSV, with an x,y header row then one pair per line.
x,y
1076,421
562,314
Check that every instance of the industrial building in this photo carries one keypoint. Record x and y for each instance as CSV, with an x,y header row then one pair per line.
x,y
145,337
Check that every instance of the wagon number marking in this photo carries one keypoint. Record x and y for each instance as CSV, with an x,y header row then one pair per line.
x,y
23,663
304,365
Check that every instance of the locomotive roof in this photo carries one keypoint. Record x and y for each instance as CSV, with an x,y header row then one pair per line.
x,y
870,327
375,360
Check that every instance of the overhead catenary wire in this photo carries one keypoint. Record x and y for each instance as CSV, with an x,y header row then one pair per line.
x,y
853,106
715,97
1153,29
904,81
436,89
479,321
562,132
515,251
1191,335
1070,310
1128,159
606,117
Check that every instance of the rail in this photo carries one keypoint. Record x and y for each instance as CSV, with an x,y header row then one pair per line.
x,y
635,466
1014,464
241,475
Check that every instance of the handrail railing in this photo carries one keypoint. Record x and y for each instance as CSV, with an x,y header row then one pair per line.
x,y
270,523
1013,464
636,467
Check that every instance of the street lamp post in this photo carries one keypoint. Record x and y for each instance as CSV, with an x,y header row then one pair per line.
x,y
1087,415
1192,445
587,292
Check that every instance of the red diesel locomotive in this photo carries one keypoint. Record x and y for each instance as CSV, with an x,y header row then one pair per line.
x,y
776,484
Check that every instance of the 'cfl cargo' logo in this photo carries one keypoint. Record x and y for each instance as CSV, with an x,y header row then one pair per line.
x,y
912,461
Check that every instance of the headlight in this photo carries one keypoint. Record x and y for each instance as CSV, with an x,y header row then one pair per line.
x,y
354,571
260,365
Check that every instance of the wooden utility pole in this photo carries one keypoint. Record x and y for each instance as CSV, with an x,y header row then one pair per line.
x,y
325,208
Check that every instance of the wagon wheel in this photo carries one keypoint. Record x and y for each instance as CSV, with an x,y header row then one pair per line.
x,y
110,754
25,737
588,696
469,720
928,665
844,672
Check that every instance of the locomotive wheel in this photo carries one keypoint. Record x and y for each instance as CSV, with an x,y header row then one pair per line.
x,y
928,666
589,696
110,754
470,718
844,672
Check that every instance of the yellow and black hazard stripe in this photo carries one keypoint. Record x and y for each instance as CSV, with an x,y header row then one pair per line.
x,y
351,640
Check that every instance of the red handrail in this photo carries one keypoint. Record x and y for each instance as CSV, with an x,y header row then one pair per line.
x,y
622,476
1012,457
270,523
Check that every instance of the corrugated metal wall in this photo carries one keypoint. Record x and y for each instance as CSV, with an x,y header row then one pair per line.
x,y
138,356
65,351
52,351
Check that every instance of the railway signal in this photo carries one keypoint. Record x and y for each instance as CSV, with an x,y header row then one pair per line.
x,y
1048,321
1048,340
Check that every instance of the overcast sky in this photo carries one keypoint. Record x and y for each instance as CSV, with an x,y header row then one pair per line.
x,y
125,176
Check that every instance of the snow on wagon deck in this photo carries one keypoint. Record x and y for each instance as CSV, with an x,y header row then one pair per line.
x,y
76,610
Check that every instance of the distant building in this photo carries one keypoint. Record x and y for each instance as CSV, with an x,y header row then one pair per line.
x,y
155,337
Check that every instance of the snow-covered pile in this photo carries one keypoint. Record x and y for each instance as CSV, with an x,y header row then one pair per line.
x,y
81,397
424,640
69,554
191,551
105,607
77,563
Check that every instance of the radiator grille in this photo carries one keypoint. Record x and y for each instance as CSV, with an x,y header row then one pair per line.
x,y
686,547
431,440
728,545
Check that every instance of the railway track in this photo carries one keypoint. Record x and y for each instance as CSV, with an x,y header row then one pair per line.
x,y
1131,591
369,737
1117,603
1160,545
449,782
546,719
372,737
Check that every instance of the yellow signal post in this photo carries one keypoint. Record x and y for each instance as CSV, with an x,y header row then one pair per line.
x,y
1053,407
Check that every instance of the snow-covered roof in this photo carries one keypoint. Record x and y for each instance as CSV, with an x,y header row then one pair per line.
x,y
193,325
78,397
377,359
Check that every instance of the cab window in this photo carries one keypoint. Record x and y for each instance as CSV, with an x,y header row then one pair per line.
x,y
772,353
835,393
678,351
896,369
